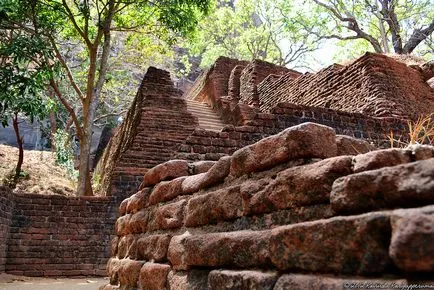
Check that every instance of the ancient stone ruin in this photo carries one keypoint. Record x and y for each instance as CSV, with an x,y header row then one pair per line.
x,y
292,211
368,99
259,177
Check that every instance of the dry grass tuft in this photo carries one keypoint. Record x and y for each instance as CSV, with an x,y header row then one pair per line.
x,y
419,132
44,176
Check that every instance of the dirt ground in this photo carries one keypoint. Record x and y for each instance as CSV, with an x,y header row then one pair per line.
x,y
44,176
11,282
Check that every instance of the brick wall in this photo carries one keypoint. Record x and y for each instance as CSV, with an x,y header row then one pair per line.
x,y
375,85
6,209
288,212
60,236
205,145
254,73
157,122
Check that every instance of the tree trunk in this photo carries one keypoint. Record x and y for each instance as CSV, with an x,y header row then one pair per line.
x,y
20,148
84,178
53,129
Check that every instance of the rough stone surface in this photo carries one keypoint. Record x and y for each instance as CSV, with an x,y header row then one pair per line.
x,y
153,276
354,245
239,249
224,204
352,146
315,282
153,247
201,166
188,280
214,175
380,158
240,280
168,170
166,190
297,186
168,216
138,201
412,246
129,273
404,185
307,140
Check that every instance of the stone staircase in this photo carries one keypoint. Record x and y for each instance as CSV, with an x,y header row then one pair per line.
x,y
207,118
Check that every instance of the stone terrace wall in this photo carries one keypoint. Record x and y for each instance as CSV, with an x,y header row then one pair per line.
x,y
157,122
254,73
375,85
288,212
205,145
7,204
59,236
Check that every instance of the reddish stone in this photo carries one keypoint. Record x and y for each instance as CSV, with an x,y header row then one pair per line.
x,y
153,247
352,146
191,280
347,245
201,166
126,247
129,273
122,225
168,216
380,158
213,176
168,170
138,222
308,140
240,280
114,246
153,276
113,267
166,190
294,187
421,152
237,249
404,185
224,204
412,244
138,201
123,207
317,282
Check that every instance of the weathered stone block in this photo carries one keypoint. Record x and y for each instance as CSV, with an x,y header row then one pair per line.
x,y
240,280
238,249
317,282
138,223
214,175
412,244
166,190
201,166
153,247
129,273
294,187
138,201
348,245
404,185
191,280
308,140
380,158
215,206
153,276
168,216
165,171
352,146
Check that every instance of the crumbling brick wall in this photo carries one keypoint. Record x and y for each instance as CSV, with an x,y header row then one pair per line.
x,y
205,145
7,203
156,123
374,84
255,72
292,211
58,236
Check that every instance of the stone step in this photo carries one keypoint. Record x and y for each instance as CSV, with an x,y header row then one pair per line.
x,y
207,118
